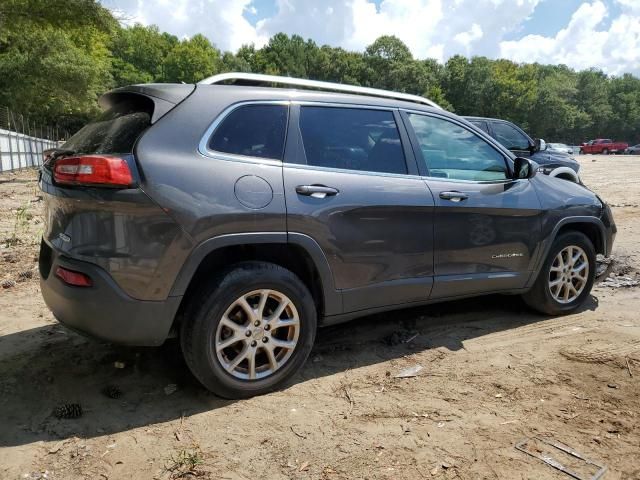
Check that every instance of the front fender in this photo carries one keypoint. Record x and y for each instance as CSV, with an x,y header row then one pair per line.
x,y
564,172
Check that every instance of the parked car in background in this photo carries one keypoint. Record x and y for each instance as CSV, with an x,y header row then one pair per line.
x,y
552,163
603,146
242,217
560,148
634,150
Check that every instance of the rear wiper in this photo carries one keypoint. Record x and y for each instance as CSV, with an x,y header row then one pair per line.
x,y
53,153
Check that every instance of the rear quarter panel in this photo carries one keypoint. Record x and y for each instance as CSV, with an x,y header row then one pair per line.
x,y
122,231
198,191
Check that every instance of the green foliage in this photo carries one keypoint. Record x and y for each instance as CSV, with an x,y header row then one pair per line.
x,y
52,66
58,56
191,60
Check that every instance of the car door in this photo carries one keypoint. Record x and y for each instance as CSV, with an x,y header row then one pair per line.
x,y
352,185
512,138
486,224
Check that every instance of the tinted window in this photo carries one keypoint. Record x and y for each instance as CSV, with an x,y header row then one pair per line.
x,y
252,130
351,138
509,136
481,125
452,151
116,130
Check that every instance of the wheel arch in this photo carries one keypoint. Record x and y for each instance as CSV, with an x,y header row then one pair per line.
x,y
592,227
564,173
295,252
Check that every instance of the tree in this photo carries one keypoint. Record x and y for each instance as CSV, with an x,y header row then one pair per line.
x,y
54,58
138,54
192,60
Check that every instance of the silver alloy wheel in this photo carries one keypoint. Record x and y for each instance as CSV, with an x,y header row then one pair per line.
x,y
257,334
569,274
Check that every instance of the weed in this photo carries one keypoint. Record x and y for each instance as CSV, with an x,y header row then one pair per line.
x,y
187,463
20,225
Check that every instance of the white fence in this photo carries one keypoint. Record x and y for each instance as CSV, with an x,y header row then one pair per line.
x,y
18,150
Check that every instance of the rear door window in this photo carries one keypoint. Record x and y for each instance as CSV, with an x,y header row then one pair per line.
x,y
352,139
482,125
116,130
510,136
252,130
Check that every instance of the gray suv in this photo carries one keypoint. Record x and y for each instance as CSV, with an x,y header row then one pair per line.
x,y
241,217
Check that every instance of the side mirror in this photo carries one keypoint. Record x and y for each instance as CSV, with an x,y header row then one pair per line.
x,y
541,145
523,168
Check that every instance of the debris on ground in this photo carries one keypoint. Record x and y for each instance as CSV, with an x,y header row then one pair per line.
x,y
8,284
613,281
68,411
25,275
119,364
112,391
400,337
562,457
409,372
619,270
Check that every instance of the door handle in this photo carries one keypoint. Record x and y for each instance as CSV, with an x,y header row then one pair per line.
x,y
454,196
316,191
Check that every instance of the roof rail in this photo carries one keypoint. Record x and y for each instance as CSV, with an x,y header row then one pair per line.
x,y
301,82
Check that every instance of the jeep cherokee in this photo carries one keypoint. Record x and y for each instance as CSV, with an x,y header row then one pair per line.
x,y
241,216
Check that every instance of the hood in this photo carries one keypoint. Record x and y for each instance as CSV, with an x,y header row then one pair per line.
x,y
556,159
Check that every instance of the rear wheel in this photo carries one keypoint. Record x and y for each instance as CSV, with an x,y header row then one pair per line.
x,y
249,330
566,278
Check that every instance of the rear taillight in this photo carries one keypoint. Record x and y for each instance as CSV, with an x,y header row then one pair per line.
x,y
75,279
93,170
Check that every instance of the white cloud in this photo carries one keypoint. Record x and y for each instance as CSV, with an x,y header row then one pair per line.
x,y
222,21
584,43
467,38
430,28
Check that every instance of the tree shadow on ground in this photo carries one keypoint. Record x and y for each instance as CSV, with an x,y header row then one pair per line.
x,y
48,366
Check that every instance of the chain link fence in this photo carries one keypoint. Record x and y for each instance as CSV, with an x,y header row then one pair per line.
x,y
22,141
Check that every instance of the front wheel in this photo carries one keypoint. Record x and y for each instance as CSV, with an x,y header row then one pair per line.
x,y
249,330
567,276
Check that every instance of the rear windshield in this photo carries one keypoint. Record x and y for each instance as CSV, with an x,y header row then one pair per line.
x,y
116,130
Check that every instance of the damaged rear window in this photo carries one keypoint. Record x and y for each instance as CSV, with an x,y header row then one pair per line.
x,y
116,130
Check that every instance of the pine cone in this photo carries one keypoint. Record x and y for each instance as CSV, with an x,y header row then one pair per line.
x,y
68,410
8,284
25,275
112,391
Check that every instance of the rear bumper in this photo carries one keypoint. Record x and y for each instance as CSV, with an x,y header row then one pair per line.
x,y
103,311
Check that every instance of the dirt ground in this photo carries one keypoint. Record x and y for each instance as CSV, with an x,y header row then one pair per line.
x,y
493,373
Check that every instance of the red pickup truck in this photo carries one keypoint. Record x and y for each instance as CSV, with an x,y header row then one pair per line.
x,y
604,146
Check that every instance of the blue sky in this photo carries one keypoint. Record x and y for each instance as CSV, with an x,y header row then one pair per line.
x,y
580,33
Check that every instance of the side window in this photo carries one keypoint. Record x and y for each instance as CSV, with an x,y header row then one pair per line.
x,y
480,124
452,151
509,136
252,130
352,138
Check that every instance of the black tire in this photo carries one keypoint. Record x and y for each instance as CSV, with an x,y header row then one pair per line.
x,y
581,152
539,297
205,311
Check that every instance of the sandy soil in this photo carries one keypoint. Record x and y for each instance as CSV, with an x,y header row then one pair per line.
x,y
494,373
